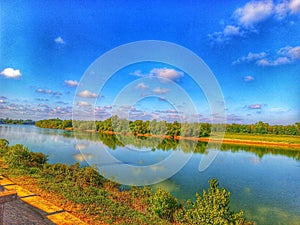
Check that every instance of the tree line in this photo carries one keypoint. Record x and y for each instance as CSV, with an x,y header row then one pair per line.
x,y
12,121
171,129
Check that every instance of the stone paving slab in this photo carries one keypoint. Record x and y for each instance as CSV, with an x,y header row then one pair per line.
x,y
21,191
42,204
5,181
65,218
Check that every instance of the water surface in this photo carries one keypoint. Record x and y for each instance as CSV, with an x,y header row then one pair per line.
x,y
265,182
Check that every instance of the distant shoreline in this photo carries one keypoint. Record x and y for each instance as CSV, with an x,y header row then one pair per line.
x,y
234,139
225,140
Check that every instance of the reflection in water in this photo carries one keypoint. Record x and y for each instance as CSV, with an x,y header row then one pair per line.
x,y
265,181
279,216
80,146
113,142
167,185
83,157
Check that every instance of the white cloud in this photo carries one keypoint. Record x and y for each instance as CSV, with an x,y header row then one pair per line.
x,y
277,62
231,30
83,103
250,57
108,107
281,10
255,106
159,90
167,111
247,17
254,12
163,73
2,101
285,55
227,34
142,86
71,83
294,6
166,73
138,73
87,94
59,40
263,62
293,53
11,73
39,90
248,78
279,110
27,111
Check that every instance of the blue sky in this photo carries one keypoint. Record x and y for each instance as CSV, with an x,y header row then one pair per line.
x,y
252,47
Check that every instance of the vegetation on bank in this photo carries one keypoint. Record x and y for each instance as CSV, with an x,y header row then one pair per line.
x,y
154,127
102,200
166,144
275,138
12,121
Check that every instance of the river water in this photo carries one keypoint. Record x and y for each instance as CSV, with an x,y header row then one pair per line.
x,y
264,182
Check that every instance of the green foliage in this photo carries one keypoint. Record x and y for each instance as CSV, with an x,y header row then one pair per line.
x,y
3,146
54,124
264,128
3,143
82,176
20,156
174,129
163,204
212,207
11,121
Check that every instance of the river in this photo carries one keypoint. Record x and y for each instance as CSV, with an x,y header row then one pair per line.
x,y
264,182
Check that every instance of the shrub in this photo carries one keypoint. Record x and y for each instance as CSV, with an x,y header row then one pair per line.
x,y
82,176
213,207
19,156
163,204
3,146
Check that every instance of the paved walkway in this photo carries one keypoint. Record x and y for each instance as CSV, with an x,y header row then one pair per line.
x,y
20,213
30,209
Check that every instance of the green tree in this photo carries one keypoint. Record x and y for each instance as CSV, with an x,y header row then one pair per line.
x,y
261,127
163,204
212,207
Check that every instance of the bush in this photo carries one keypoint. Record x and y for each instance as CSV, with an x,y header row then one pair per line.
x,y
213,207
3,146
163,204
82,176
19,156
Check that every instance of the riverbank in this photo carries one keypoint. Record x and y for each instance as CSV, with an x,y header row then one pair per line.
x,y
291,143
258,134
280,141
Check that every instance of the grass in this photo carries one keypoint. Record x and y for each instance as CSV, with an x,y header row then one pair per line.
x,y
289,139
